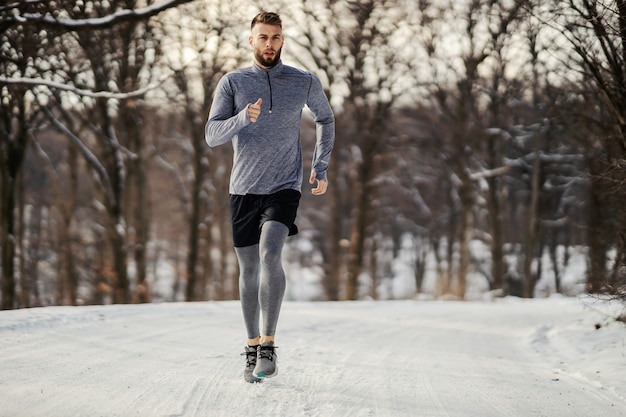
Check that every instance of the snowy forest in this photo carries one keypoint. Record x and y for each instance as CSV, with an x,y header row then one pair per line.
x,y
476,140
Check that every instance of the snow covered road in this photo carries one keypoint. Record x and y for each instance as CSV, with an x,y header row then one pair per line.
x,y
510,357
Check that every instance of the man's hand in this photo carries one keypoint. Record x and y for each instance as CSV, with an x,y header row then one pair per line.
x,y
254,110
322,185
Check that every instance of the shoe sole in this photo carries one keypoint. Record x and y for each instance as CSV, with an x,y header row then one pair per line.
x,y
262,375
251,379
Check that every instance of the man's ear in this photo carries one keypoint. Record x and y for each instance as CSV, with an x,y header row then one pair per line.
x,y
250,40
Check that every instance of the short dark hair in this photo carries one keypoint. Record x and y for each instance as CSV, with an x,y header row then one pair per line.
x,y
269,18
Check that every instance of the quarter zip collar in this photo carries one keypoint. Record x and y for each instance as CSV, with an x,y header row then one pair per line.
x,y
269,73
272,72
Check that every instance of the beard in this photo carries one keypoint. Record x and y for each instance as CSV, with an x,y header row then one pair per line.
x,y
267,62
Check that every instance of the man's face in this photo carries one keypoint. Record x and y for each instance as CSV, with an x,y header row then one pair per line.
x,y
266,42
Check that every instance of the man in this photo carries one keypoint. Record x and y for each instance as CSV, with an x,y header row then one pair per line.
x,y
259,109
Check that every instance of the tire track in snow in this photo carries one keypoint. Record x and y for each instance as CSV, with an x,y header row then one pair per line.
x,y
355,368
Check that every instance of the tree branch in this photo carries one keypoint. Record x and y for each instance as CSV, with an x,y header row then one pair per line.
x,y
78,91
99,22
91,159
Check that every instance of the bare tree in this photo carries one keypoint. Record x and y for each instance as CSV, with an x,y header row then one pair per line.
x,y
317,50
596,31
211,30
17,21
450,130
18,116
65,203
461,113
356,54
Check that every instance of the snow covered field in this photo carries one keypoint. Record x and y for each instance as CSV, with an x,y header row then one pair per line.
x,y
508,357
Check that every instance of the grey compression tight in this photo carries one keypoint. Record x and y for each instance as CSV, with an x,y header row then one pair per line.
x,y
262,279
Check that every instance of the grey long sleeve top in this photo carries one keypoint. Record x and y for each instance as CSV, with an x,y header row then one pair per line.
x,y
268,153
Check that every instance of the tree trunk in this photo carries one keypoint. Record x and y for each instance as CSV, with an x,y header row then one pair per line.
x,y
335,251
495,206
121,284
358,234
466,229
137,198
373,267
532,229
67,284
597,242
27,242
12,152
71,275
142,232
195,211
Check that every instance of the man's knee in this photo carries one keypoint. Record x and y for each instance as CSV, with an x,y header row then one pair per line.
x,y
270,255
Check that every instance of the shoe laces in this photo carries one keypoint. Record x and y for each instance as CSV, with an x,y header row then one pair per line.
x,y
250,357
267,352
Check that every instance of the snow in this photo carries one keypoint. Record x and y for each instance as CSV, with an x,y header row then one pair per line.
x,y
552,357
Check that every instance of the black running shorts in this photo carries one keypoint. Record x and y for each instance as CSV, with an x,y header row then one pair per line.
x,y
249,212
